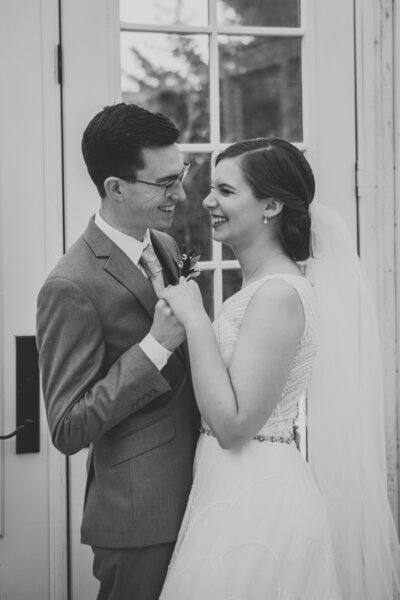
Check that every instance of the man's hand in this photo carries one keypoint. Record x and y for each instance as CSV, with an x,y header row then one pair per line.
x,y
166,329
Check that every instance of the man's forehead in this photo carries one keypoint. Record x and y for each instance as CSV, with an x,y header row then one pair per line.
x,y
167,159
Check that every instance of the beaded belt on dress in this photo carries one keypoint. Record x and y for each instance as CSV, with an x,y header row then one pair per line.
x,y
258,438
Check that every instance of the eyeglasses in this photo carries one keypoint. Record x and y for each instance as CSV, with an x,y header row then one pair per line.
x,y
170,186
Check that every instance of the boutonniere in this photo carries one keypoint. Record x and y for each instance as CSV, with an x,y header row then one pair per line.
x,y
187,264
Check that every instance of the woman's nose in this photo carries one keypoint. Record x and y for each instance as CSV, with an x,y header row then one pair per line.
x,y
210,201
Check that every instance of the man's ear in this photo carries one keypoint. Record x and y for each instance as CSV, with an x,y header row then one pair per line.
x,y
114,188
272,208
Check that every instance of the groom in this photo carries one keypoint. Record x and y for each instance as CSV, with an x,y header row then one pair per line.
x,y
112,378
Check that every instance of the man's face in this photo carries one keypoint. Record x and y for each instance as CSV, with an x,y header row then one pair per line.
x,y
144,206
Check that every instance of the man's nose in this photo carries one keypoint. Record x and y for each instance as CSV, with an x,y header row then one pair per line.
x,y
178,193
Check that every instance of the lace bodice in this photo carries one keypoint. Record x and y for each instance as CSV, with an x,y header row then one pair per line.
x,y
227,327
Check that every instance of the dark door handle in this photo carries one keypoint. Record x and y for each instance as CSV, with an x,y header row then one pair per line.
x,y
26,423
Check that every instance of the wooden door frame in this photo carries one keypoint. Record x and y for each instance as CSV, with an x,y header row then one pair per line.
x,y
396,118
54,244
377,207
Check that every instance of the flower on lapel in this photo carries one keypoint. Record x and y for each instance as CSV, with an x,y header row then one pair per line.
x,y
187,264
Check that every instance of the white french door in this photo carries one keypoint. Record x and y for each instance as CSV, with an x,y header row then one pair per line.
x,y
323,65
32,494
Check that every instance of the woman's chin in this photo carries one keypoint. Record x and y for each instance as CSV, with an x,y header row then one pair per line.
x,y
218,235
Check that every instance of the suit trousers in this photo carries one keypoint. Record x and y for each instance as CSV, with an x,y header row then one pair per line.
x,y
131,573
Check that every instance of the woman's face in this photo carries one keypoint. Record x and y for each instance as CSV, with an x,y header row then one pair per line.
x,y
236,214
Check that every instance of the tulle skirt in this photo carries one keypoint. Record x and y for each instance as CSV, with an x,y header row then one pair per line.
x,y
255,528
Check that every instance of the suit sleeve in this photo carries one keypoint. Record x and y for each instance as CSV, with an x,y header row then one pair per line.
x,y
82,402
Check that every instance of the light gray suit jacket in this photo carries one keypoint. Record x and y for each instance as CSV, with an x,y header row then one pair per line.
x,y
101,389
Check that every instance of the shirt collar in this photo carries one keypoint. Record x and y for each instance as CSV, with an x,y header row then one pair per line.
x,y
132,247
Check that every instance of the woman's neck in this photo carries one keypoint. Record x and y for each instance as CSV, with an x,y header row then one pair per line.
x,y
261,259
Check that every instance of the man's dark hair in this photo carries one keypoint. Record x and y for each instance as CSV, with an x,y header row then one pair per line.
x,y
112,143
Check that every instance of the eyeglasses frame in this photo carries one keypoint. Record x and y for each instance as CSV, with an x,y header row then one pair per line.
x,y
167,187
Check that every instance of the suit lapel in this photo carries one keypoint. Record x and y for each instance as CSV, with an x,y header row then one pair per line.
x,y
119,266
124,271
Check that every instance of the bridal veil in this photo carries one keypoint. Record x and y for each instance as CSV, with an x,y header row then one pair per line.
x,y
346,420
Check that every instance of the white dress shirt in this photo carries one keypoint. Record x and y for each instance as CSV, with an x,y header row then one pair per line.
x,y
133,248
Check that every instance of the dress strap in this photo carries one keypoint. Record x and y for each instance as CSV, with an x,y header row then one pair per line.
x,y
302,285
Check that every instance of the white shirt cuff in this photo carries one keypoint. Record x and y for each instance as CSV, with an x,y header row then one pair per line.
x,y
155,351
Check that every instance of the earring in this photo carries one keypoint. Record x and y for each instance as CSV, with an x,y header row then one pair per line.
x,y
265,220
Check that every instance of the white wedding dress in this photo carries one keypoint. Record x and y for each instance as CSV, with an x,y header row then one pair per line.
x,y
255,527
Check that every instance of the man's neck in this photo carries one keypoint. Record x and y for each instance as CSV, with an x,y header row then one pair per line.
x,y
111,221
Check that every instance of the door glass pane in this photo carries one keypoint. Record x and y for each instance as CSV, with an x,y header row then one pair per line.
x,y
262,13
191,226
164,12
169,73
227,253
231,281
260,85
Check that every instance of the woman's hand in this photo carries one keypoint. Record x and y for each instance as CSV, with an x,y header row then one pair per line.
x,y
166,329
185,301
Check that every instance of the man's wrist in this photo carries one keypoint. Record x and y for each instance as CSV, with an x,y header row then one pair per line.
x,y
155,351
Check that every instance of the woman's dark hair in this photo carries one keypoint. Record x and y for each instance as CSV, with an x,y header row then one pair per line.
x,y
112,142
274,168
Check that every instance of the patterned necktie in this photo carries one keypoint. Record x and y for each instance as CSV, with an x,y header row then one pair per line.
x,y
151,265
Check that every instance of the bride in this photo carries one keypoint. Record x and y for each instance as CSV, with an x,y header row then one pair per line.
x,y
261,522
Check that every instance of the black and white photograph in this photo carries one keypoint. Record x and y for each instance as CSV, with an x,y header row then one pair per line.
x,y
199,300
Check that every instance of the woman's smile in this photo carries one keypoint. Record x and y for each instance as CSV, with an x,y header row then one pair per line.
x,y
217,220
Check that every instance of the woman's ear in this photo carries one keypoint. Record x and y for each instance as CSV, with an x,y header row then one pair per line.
x,y
272,208
114,188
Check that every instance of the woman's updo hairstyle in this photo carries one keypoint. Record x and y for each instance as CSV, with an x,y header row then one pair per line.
x,y
276,169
